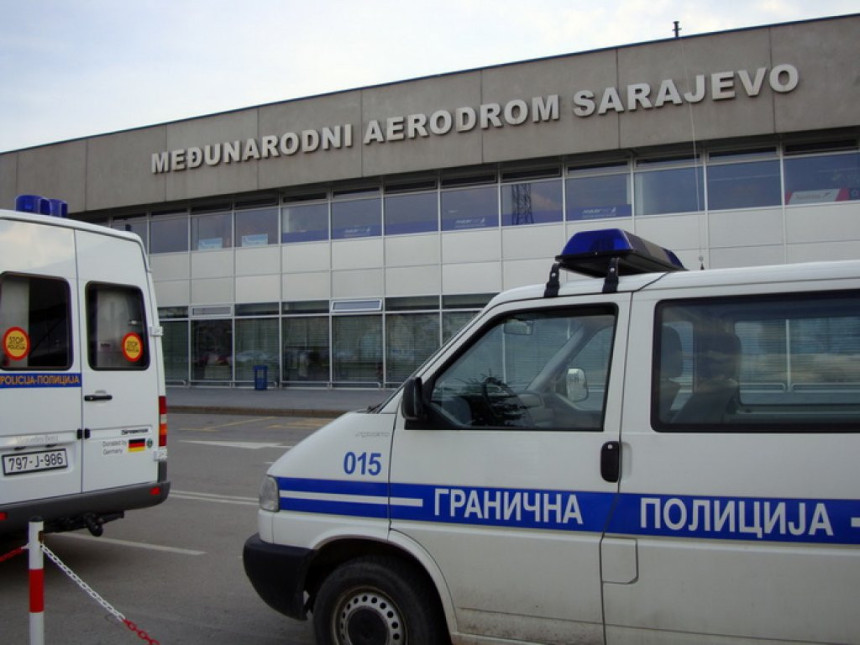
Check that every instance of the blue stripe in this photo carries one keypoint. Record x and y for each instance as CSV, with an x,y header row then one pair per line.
x,y
333,486
788,520
39,379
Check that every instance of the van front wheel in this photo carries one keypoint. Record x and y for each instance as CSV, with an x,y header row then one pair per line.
x,y
377,601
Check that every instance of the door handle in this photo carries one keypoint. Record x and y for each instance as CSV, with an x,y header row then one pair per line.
x,y
610,461
98,397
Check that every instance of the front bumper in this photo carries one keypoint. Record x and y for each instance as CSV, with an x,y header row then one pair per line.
x,y
278,574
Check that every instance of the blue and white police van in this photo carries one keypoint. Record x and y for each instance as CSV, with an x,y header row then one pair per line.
x,y
84,431
633,453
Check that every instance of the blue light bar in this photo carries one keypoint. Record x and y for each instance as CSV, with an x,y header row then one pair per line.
x,y
41,205
592,252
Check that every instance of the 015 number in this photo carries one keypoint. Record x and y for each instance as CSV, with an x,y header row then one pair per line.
x,y
362,463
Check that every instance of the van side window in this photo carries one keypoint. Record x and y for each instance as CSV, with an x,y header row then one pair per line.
x,y
34,323
769,363
116,328
541,369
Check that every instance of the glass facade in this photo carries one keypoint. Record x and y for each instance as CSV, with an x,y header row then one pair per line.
x,y
359,215
212,231
302,222
532,202
411,213
257,227
822,178
736,181
662,187
347,342
168,234
465,208
598,193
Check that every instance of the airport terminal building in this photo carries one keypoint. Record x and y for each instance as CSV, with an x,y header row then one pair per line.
x,y
339,239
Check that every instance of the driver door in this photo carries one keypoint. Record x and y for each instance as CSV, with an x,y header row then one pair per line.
x,y
500,481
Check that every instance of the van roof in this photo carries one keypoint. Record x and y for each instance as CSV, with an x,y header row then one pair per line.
x,y
578,285
63,222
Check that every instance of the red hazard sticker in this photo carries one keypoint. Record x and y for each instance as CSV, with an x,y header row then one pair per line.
x,y
132,347
16,343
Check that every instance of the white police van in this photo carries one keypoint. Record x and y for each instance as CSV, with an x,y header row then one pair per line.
x,y
641,455
84,432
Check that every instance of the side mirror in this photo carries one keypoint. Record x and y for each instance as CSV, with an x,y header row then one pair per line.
x,y
412,403
577,384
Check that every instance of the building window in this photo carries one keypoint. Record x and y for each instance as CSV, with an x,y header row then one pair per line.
x,y
304,222
212,231
739,181
306,349
823,178
175,343
257,227
357,349
411,213
256,344
359,215
465,208
598,192
212,350
672,186
532,202
409,340
168,235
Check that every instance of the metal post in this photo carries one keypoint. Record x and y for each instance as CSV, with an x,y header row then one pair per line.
x,y
37,582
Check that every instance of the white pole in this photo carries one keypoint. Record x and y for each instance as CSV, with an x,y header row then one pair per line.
x,y
37,583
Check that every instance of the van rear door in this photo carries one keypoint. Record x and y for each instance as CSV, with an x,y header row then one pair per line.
x,y
40,366
119,366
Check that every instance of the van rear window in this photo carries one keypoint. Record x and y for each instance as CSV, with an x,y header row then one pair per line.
x,y
769,363
34,323
116,328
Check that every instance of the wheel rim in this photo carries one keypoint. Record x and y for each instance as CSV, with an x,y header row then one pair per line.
x,y
369,618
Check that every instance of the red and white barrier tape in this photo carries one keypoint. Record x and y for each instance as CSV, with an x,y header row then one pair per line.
x,y
37,587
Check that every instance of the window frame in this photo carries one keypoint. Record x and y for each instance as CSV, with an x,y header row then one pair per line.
x,y
808,423
9,364
143,361
438,420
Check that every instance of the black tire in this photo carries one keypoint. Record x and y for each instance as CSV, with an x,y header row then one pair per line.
x,y
378,601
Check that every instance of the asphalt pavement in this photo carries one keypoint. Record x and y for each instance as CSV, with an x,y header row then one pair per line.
x,y
302,402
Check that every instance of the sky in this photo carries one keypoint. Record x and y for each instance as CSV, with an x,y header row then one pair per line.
x,y
76,68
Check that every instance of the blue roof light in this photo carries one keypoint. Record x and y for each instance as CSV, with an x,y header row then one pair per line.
x,y
592,252
41,205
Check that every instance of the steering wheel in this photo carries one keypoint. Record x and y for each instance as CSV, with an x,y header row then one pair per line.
x,y
507,410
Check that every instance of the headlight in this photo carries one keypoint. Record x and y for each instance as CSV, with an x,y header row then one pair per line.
x,y
269,497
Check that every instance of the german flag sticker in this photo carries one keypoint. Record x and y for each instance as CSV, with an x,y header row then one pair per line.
x,y
136,445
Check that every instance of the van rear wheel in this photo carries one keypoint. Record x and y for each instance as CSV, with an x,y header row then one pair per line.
x,y
377,601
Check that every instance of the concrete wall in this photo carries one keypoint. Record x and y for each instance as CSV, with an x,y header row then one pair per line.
x,y
115,171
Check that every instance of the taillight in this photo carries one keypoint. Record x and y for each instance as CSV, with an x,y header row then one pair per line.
x,y
162,422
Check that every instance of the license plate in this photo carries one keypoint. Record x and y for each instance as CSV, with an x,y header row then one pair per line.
x,y
30,462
